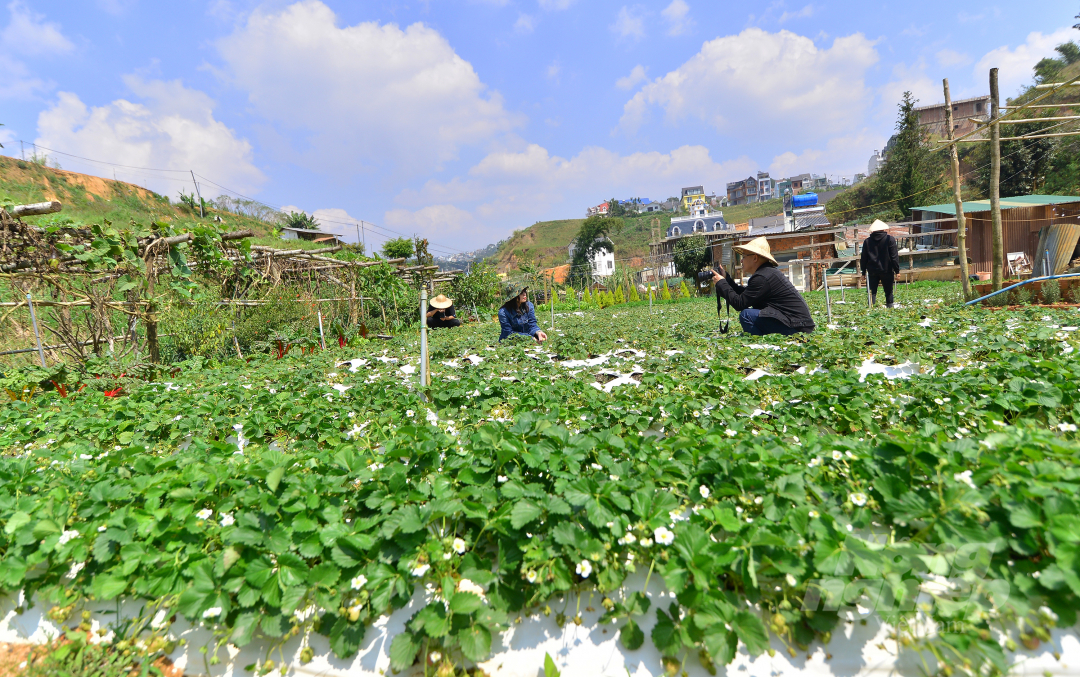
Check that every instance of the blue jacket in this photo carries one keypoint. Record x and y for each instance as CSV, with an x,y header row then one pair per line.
x,y
522,323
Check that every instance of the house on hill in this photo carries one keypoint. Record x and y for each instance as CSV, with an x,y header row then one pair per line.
x,y
288,233
602,262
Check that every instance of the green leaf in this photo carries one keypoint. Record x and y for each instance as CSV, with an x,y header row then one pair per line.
x,y
108,587
273,478
324,575
15,521
475,642
664,635
433,620
465,602
631,635
524,511
751,631
549,666
403,650
244,628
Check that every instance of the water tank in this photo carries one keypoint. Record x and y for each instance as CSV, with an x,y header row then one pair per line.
x,y
804,200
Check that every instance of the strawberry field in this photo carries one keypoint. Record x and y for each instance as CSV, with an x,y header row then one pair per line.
x,y
916,465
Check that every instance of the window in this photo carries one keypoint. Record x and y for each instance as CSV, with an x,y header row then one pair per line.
x,y
699,226
978,106
610,265
675,231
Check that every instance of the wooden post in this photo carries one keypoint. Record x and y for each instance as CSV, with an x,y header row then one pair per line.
x,y
961,221
997,247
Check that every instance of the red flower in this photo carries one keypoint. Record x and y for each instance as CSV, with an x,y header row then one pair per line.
x,y
113,393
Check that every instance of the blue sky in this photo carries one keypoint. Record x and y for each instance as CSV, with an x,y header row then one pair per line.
x,y
463,121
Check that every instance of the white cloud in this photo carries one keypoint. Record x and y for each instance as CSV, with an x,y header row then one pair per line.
x,y
630,81
805,13
843,155
677,17
434,221
629,23
555,4
909,79
29,34
552,71
525,24
371,96
6,136
173,129
512,188
783,79
1015,64
948,58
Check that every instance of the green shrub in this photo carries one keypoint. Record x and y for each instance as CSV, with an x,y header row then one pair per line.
x,y
1074,294
666,294
634,293
619,298
1051,291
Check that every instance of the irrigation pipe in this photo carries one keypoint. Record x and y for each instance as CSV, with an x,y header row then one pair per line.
x,y
1021,284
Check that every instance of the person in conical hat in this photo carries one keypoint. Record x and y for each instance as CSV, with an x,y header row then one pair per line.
x,y
440,313
880,261
768,303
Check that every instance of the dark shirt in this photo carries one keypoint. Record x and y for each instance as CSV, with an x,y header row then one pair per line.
x,y
439,318
519,323
770,292
879,253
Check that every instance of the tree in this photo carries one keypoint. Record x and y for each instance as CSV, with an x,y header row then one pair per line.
x,y
666,294
479,287
691,254
619,298
685,290
586,297
398,248
910,168
634,293
1024,164
301,220
592,238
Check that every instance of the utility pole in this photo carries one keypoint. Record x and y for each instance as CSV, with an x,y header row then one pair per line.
x,y
201,214
997,249
961,221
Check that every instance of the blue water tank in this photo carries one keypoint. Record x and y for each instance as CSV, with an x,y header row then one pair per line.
x,y
804,200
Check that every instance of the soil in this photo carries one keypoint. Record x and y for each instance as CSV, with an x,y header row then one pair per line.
x,y
54,181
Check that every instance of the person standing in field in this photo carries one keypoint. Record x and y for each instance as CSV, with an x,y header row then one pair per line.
x,y
880,261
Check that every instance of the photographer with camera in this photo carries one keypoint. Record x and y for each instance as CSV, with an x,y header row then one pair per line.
x,y
769,303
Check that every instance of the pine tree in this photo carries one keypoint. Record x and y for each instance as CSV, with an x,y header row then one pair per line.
x,y
633,293
586,297
619,298
666,294
684,290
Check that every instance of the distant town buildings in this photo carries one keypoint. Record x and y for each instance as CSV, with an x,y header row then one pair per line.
x,y
689,195
751,189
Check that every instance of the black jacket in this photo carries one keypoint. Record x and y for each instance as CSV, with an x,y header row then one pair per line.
x,y
439,318
771,293
879,253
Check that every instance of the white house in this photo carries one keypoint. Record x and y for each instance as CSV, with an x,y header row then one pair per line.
x,y
602,261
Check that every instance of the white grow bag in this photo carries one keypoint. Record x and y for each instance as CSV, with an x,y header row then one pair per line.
x,y
589,650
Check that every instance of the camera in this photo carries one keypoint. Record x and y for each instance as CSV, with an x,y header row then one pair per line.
x,y
704,275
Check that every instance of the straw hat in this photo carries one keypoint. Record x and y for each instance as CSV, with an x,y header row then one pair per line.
x,y
759,246
441,302
878,226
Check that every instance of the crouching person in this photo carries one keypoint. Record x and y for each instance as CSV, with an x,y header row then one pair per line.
x,y
769,303
517,317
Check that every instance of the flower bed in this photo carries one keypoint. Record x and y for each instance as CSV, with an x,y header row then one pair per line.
x,y
295,501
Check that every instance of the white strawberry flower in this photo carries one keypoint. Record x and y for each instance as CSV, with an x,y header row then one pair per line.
x,y
531,576
584,568
204,514
358,582
459,546
212,612
420,570
67,536
227,519
704,491
664,536
858,498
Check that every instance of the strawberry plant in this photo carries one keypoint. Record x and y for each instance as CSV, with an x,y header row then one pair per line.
x,y
920,460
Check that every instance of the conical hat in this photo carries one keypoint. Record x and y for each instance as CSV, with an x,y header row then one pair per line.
x,y
878,225
441,302
759,246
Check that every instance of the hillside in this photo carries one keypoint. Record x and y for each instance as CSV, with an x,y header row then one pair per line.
x,y
91,199
544,243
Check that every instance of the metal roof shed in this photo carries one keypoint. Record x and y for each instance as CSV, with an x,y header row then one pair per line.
x,y
1022,219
